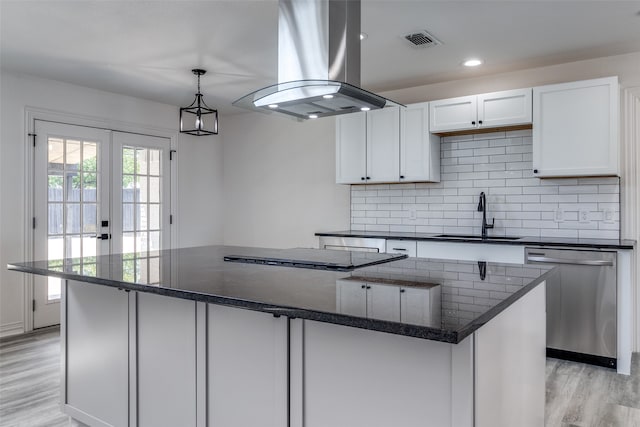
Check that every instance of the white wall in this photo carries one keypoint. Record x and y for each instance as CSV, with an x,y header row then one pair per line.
x,y
198,170
279,181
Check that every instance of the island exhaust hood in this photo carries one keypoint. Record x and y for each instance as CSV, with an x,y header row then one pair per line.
x,y
318,62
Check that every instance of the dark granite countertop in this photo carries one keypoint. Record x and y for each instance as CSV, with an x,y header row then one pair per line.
x,y
460,300
540,241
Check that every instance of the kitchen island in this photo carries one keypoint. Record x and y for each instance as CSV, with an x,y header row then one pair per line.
x,y
186,338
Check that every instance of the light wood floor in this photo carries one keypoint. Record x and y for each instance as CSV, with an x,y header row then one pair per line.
x,y
578,395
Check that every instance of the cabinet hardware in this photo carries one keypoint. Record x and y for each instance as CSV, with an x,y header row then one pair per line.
x,y
401,176
368,177
368,287
399,249
479,122
473,122
401,291
363,287
362,178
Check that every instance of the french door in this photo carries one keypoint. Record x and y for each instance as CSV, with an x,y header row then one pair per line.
x,y
96,192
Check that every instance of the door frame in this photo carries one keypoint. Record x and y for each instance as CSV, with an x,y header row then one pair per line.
x,y
31,114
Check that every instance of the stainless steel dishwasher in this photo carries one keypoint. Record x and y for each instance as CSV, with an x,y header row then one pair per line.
x,y
581,304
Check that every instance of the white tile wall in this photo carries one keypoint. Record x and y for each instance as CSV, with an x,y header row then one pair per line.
x,y
500,164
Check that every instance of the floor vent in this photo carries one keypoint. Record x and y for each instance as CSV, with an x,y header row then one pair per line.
x,y
422,39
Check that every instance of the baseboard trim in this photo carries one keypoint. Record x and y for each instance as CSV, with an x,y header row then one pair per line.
x,y
35,332
11,329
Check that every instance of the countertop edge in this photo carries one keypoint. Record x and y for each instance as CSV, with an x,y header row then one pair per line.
x,y
415,331
519,242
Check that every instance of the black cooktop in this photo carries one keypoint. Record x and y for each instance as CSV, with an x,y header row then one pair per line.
x,y
314,258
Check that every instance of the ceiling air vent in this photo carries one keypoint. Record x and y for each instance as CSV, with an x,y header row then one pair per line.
x,y
422,39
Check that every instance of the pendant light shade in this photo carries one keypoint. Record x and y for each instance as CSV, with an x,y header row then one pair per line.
x,y
198,119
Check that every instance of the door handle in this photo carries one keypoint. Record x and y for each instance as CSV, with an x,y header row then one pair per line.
x,y
548,260
103,236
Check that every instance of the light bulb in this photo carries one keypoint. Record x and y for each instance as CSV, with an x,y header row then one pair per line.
x,y
365,109
313,116
273,105
199,122
327,96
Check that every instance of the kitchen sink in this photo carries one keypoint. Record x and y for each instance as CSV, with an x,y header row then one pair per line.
x,y
476,237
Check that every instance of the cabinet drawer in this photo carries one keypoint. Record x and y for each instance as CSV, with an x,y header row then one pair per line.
x,y
402,247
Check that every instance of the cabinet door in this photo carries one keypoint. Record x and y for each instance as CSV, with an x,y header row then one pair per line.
x,y
507,108
453,114
420,306
247,368
95,333
383,302
351,297
419,149
383,145
351,148
575,130
166,355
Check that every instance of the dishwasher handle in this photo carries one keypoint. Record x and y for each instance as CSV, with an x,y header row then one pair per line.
x,y
549,260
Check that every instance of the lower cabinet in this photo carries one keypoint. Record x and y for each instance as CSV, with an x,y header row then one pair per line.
x,y
418,305
166,361
95,343
247,357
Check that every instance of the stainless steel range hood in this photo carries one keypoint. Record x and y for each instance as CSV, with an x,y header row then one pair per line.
x,y
318,62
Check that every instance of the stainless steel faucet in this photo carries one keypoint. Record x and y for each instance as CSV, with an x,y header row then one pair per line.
x,y
482,207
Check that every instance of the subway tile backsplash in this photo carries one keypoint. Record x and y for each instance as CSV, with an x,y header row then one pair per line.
x,y
500,164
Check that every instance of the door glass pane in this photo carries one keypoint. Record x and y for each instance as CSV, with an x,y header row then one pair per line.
x,y
154,162
90,157
154,217
127,217
141,217
89,187
73,218
141,161
154,190
89,218
55,187
56,218
142,188
55,154
72,202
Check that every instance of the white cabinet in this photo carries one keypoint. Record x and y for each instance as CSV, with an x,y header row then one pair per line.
x,y
351,148
383,302
418,305
247,375
489,110
419,149
407,247
575,129
453,114
95,343
166,355
383,142
371,300
387,145
421,306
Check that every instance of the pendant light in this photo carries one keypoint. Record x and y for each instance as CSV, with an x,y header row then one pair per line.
x,y
198,119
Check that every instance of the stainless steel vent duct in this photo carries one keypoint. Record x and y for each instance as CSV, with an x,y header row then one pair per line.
x,y
318,62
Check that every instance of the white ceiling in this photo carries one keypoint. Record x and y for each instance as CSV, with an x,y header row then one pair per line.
x,y
147,48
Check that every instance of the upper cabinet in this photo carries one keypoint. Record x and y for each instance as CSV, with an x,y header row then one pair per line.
x,y
575,129
419,150
489,110
351,148
388,145
383,142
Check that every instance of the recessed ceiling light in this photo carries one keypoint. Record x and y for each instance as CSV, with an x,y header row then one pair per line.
x,y
472,62
273,105
365,109
363,36
327,96
313,116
